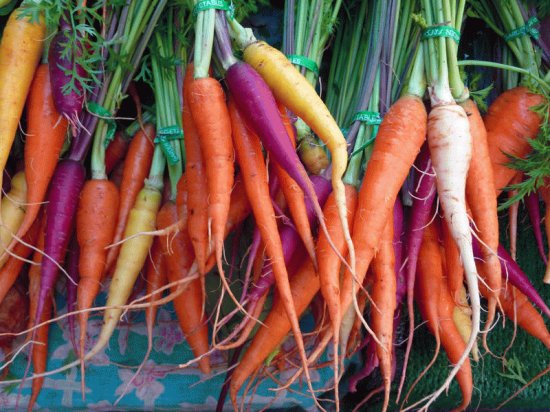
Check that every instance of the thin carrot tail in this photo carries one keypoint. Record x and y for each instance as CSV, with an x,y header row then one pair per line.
x,y
219,252
426,369
142,364
36,388
491,312
410,309
83,318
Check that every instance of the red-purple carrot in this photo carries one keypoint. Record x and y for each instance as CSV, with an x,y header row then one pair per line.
x,y
62,64
72,283
67,183
512,273
533,209
423,199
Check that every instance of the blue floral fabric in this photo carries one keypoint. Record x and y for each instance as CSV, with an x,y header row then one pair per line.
x,y
161,384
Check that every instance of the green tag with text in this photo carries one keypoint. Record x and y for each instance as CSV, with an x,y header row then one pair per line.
x,y
369,118
204,5
441,31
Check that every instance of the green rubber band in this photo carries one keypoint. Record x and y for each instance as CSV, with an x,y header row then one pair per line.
x,y
304,62
164,136
204,5
527,30
441,31
105,115
369,118
171,133
167,149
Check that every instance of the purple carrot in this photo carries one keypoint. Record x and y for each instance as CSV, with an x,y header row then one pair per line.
x,y
532,205
72,283
423,198
62,65
398,246
513,273
65,188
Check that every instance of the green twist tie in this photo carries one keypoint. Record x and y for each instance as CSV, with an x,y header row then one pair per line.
x,y
369,118
204,5
105,115
441,31
164,136
304,62
527,30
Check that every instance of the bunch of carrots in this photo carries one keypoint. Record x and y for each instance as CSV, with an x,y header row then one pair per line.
x,y
376,200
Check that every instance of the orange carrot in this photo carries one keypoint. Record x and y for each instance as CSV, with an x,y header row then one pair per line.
x,y
480,196
95,227
207,105
329,264
238,212
178,255
254,173
136,167
197,196
454,344
383,296
294,195
40,348
429,273
116,151
395,148
510,122
303,285
46,130
10,271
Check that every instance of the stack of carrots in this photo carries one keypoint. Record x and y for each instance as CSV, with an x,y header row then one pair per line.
x,y
378,199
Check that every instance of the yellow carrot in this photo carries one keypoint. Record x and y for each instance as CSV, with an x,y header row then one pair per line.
x,y
131,259
12,212
20,51
462,318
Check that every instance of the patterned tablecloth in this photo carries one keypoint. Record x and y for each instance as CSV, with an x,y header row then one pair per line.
x,y
160,385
